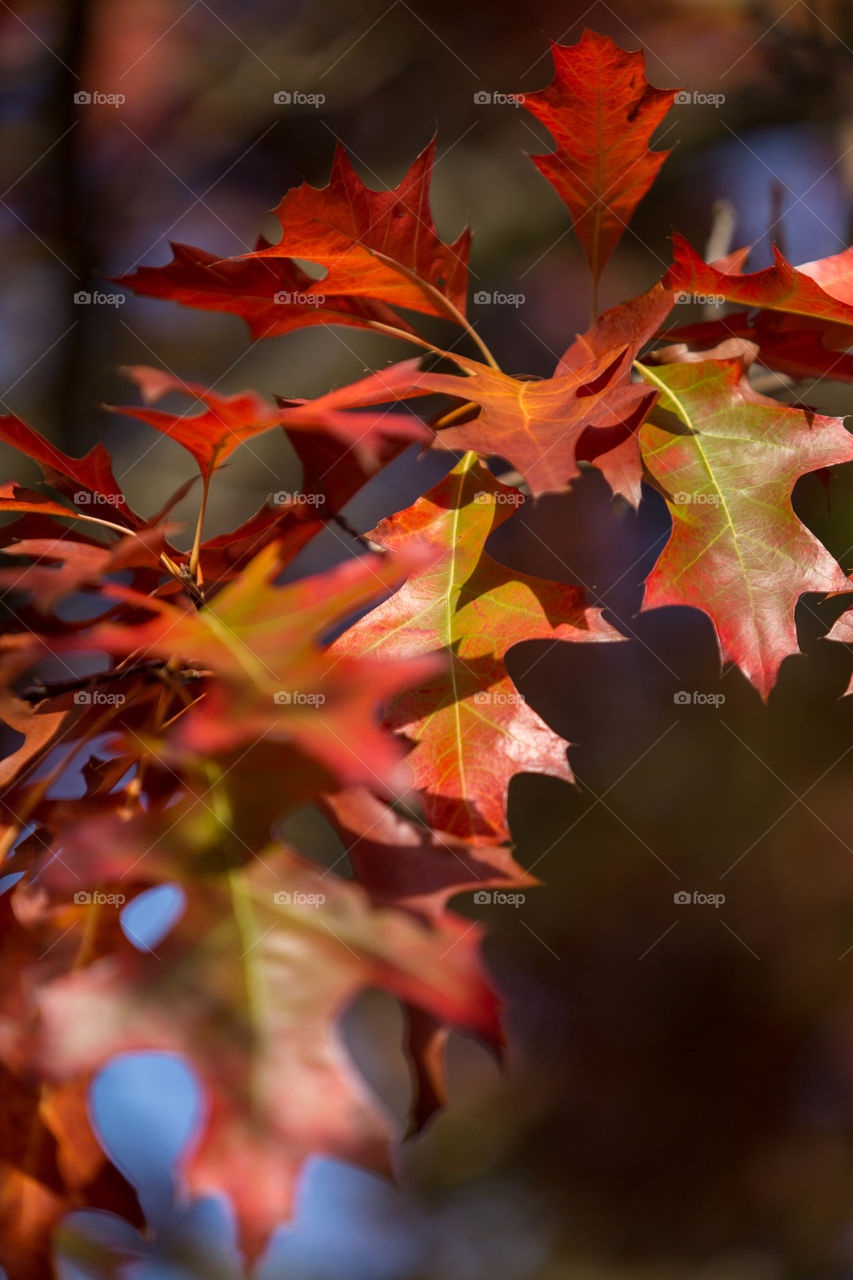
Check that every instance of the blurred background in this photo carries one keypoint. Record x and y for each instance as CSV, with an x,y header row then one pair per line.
x,y
679,1094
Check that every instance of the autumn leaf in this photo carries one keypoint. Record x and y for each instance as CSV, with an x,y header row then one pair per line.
x,y
50,1159
472,729
62,1167
64,565
229,421
332,470
409,866
804,325
727,460
290,525
816,291
628,326
89,481
793,345
602,113
261,646
14,497
842,632
210,436
380,251
544,428
270,294
38,725
300,944
380,245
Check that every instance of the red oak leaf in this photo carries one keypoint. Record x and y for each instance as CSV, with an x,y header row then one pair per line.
x,y
274,680
806,332
405,865
602,113
50,1160
808,291
279,1082
229,421
63,565
630,325
270,294
737,551
472,729
544,428
88,481
380,245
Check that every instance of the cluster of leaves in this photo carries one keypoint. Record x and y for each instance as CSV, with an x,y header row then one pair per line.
x,y
219,704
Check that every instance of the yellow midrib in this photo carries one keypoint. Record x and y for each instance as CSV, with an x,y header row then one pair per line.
x,y
685,416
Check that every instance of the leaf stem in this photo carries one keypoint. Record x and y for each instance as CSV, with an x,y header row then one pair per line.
x,y
401,333
457,315
194,554
125,532
452,414
450,309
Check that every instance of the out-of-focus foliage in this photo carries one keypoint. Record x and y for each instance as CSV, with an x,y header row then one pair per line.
x,y
682,1081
